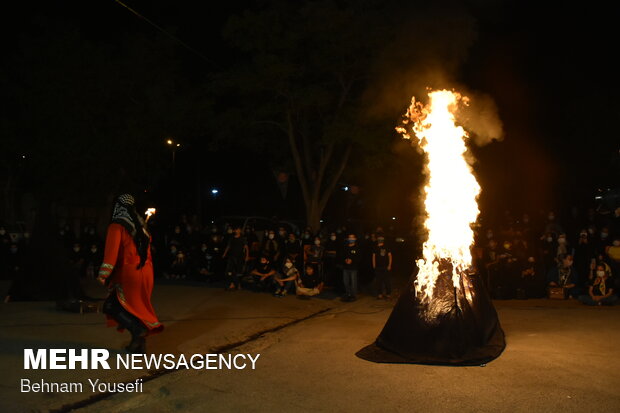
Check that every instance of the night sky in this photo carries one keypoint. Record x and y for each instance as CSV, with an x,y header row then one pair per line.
x,y
550,71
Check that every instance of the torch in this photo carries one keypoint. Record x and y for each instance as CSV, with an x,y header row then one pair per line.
x,y
149,212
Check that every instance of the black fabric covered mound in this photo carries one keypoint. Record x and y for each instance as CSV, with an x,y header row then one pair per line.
x,y
458,327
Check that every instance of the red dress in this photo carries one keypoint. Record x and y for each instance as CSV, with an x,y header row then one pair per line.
x,y
133,287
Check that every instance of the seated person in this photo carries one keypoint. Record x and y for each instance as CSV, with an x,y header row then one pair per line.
x,y
284,281
601,291
263,273
309,283
564,275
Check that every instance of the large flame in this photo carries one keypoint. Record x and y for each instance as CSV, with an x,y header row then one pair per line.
x,y
451,190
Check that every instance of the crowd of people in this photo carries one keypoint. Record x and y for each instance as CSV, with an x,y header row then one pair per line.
x,y
568,256
278,260
572,256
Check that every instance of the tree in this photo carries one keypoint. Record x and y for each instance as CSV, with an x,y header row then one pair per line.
x,y
304,72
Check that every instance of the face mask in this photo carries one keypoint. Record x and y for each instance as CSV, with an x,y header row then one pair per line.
x,y
93,250
177,231
173,250
616,243
2,231
600,273
306,236
381,239
333,238
76,249
317,242
214,230
590,231
282,233
203,249
338,232
604,235
271,236
229,231
350,241
549,239
288,265
562,240
583,235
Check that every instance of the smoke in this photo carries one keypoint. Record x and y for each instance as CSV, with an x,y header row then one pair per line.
x,y
480,119
427,53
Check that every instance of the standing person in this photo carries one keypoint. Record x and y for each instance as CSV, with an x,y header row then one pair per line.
x,y
351,260
314,255
331,260
127,269
237,254
382,266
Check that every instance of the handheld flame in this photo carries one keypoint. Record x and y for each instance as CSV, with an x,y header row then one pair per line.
x,y
450,193
149,212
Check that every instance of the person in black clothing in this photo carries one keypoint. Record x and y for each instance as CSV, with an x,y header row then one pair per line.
x,y
309,283
15,262
271,248
351,260
215,250
330,260
93,260
601,289
293,250
236,255
263,273
382,266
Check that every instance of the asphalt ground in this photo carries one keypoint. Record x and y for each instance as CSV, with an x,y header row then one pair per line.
x,y
560,356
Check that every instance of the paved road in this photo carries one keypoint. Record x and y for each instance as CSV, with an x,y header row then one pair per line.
x,y
561,357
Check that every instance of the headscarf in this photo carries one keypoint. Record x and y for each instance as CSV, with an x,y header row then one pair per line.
x,y
124,213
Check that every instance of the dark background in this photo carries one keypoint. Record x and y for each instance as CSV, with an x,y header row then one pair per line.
x,y
550,71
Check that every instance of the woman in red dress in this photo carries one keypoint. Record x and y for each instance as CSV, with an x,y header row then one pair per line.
x,y
127,270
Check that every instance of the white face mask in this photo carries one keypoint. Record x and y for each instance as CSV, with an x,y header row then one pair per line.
x,y
93,250
288,265
600,273
616,243
549,239
317,242
271,236
332,238
562,240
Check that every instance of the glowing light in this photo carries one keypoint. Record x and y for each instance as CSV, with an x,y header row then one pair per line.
x,y
149,212
450,193
169,142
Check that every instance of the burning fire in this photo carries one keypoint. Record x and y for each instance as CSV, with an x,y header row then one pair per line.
x,y
149,212
451,190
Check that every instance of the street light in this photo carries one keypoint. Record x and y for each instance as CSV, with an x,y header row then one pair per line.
x,y
174,145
